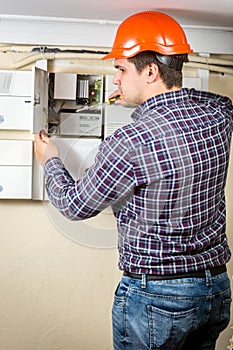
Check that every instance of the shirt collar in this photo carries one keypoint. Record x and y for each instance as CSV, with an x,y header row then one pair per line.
x,y
167,98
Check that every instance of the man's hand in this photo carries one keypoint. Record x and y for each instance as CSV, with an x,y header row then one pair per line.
x,y
44,148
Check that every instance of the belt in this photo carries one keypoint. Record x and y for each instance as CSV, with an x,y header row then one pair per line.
x,y
195,274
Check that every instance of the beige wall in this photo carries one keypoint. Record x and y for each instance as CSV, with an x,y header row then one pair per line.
x,y
223,84
56,294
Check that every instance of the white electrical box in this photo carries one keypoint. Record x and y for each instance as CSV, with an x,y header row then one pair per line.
x,y
15,169
15,83
15,113
15,100
65,85
81,122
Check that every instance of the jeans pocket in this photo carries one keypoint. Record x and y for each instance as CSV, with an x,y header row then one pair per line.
x,y
168,329
120,294
119,301
119,314
225,312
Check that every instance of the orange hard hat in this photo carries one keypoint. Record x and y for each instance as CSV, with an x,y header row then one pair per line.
x,y
149,30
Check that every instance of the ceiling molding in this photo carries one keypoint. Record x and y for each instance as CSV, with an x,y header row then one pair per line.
x,y
31,30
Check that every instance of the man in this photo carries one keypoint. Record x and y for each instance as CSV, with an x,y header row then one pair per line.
x,y
164,176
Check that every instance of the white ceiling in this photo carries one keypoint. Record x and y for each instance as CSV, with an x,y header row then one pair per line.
x,y
189,12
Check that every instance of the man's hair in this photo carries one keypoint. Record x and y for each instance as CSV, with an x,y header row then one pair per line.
x,y
170,76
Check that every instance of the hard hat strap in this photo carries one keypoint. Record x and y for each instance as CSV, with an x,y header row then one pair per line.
x,y
170,61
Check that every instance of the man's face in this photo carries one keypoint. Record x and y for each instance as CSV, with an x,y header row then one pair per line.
x,y
130,82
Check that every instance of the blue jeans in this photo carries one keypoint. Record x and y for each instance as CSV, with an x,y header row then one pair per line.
x,y
177,314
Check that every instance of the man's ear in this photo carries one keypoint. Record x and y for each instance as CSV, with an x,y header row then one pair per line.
x,y
152,72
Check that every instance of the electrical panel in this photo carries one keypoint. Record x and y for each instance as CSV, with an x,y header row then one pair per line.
x,y
75,104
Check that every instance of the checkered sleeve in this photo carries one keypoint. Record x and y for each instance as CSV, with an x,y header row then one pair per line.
x,y
107,181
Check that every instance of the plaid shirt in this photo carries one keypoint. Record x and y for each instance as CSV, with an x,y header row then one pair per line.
x,y
164,176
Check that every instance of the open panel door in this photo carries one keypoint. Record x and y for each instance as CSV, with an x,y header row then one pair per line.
x,y
39,118
39,100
